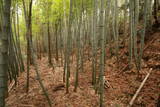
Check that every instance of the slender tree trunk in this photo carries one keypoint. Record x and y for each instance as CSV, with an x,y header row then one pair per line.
x,y
131,32
94,43
65,41
149,15
143,34
116,15
134,23
102,67
107,16
28,16
4,35
16,45
68,48
155,12
56,32
18,36
49,45
29,34
125,18
78,49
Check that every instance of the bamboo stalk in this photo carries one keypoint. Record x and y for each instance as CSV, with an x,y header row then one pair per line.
x,y
139,89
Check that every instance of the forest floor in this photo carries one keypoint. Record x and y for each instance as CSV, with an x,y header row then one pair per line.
x,y
123,83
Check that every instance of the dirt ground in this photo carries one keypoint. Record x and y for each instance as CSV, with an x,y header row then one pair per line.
x,y
123,83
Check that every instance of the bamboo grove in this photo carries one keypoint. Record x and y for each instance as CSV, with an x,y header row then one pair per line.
x,y
67,30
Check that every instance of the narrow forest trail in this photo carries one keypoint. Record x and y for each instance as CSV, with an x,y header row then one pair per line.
x,y
123,85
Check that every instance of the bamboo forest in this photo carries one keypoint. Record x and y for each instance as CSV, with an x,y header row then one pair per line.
x,y
79,53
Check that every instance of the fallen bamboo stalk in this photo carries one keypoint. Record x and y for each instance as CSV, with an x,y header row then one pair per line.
x,y
139,89
25,105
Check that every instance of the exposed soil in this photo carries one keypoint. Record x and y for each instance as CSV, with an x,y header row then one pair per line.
x,y
123,83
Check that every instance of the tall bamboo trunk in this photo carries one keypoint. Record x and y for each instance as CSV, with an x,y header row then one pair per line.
x,y
102,67
49,45
78,49
56,36
68,48
4,35
94,42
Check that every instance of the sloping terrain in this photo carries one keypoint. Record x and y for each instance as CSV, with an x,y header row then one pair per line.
x,y
122,83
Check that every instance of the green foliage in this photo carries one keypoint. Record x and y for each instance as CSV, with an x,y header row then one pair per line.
x,y
48,10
